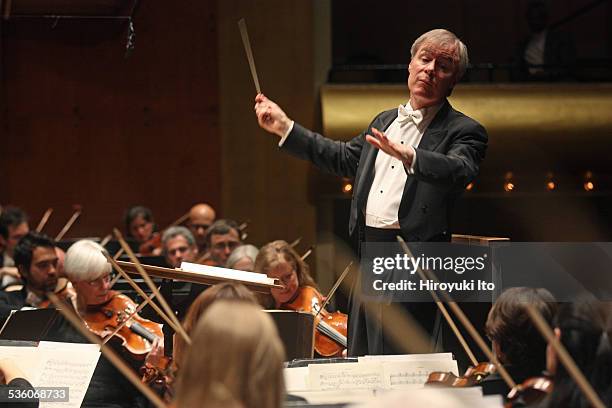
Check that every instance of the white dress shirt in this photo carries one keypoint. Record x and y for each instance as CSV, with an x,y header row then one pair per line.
x,y
389,174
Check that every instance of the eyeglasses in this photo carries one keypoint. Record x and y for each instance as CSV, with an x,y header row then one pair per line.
x,y
222,245
100,281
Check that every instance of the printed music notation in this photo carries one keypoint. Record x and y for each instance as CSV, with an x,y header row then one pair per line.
x,y
373,374
413,378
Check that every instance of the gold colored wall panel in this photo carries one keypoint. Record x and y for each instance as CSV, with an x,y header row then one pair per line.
x,y
501,108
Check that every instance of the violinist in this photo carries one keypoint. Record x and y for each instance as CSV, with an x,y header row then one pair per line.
x,y
201,217
37,263
583,327
226,291
280,261
140,226
235,360
13,227
89,272
516,341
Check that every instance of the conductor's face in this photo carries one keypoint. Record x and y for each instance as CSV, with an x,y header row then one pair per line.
x,y
432,73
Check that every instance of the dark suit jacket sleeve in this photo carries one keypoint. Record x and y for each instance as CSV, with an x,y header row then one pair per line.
x,y
337,157
461,162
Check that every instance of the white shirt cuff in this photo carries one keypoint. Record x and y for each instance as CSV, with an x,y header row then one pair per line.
x,y
410,170
282,141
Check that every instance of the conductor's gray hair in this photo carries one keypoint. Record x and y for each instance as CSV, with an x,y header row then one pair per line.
x,y
444,38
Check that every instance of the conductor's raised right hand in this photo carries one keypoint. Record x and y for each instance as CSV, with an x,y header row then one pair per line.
x,y
271,117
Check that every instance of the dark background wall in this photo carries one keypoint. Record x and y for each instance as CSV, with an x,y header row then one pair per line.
x,y
383,30
173,124
81,124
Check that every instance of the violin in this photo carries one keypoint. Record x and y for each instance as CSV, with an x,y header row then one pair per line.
x,y
472,377
331,328
532,391
63,290
152,245
137,336
159,373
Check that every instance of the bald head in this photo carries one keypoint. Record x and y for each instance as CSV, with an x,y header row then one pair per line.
x,y
201,216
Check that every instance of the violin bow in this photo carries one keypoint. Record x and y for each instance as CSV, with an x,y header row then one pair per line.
x,y
141,292
565,357
179,220
69,223
203,258
307,253
448,317
106,239
242,228
43,220
150,283
428,274
404,331
107,352
146,301
332,291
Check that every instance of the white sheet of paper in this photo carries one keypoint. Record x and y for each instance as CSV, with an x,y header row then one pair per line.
x,y
413,374
403,357
57,365
336,396
343,376
226,273
296,379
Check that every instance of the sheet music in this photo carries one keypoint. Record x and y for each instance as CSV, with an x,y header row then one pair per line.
x,y
341,376
296,378
413,374
227,273
68,369
336,397
407,357
57,365
470,397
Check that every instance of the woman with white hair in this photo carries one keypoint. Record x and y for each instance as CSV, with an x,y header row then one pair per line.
x,y
243,258
89,271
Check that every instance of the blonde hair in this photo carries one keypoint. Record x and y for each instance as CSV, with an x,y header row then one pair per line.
x,y
85,261
227,291
235,347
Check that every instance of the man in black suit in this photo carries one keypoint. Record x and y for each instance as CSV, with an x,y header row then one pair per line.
x,y
430,152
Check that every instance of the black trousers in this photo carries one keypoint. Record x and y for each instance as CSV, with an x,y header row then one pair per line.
x,y
368,322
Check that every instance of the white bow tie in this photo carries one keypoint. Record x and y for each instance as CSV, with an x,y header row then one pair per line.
x,y
405,115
